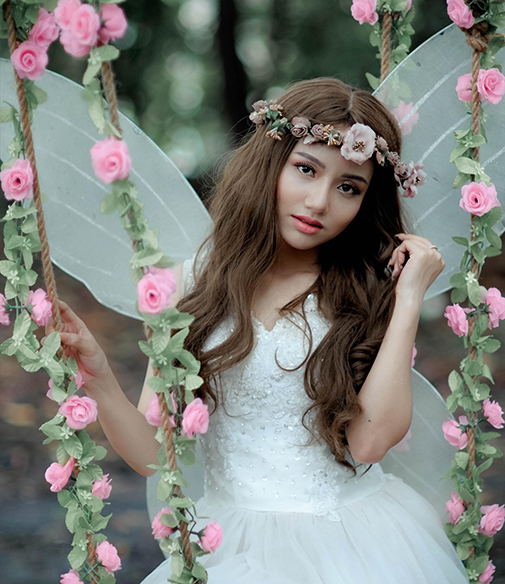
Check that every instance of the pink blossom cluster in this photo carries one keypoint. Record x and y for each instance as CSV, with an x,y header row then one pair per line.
x,y
79,411
487,576
457,320
455,508
155,289
17,181
490,85
453,433
460,13
195,417
57,475
496,306
366,10
110,159
211,537
42,309
102,488
108,556
494,413
478,198
71,577
153,412
160,530
4,315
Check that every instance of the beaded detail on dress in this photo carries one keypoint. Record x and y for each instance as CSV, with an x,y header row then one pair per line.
x,y
254,451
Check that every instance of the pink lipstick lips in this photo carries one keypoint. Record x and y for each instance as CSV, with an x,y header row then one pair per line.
x,y
306,224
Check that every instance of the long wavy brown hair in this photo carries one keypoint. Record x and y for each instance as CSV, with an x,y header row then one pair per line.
x,y
351,289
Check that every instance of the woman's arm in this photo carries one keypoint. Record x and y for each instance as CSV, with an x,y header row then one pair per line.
x,y
386,395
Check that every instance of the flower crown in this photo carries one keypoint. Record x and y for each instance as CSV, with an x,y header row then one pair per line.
x,y
358,144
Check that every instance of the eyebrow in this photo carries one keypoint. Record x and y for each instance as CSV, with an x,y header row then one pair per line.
x,y
319,163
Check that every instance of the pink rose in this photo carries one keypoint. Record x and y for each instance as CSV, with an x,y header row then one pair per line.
x,y
153,412
456,317
478,198
45,30
464,87
493,413
496,303
454,508
102,488
454,435
415,179
84,25
405,121
72,46
195,418
114,23
107,554
414,353
491,85
212,536
159,529
58,475
79,411
487,576
4,315
459,13
403,445
64,11
111,160
300,127
492,520
17,181
358,144
154,291
364,11
71,577
79,382
30,60
42,309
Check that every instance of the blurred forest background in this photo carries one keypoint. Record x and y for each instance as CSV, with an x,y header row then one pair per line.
x,y
188,73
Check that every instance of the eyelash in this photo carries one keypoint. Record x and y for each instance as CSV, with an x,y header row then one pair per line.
x,y
355,190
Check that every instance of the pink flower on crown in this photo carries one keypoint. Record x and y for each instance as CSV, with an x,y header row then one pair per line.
x,y
404,117
260,109
454,508
487,576
358,144
300,127
45,30
416,178
494,413
365,11
459,13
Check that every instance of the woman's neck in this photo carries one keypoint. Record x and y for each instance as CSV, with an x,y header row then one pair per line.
x,y
295,261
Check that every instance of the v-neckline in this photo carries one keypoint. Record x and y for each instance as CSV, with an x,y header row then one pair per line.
x,y
261,325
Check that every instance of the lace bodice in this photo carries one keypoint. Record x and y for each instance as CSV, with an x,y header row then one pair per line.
x,y
254,451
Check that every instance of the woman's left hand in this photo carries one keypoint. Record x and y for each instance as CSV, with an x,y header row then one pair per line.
x,y
417,274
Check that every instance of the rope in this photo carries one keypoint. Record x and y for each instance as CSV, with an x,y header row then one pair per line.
x,y
386,44
475,37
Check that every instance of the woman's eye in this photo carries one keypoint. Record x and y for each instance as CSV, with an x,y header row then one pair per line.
x,y
305,168
349,189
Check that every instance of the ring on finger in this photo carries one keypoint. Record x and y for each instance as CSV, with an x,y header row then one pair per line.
x,y
433,247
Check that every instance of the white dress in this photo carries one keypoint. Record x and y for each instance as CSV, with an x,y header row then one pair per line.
x,y
292,514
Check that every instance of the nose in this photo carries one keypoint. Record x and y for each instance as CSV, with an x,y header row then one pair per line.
x,y
317,198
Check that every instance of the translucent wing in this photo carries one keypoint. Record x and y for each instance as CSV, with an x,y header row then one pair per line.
x,y
427,79
91,246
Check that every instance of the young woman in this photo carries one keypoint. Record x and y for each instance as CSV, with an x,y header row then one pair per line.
x,y
307,298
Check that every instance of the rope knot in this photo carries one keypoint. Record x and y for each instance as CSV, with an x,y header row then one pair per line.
x,y
476,36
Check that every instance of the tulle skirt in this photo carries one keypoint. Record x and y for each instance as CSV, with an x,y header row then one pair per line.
x,y
393,536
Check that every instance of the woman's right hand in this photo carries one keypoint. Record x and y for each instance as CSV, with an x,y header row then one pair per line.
x,y
79,343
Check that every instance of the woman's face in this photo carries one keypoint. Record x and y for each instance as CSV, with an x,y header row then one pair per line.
x,y
319,185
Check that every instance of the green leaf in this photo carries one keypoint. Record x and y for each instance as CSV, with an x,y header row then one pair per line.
x,y
485,465
109,204
492,251
493,216
458,295
65,498
463,551
493,238
474,292
101,452
462,459
164,490
460,241
146,257
461,179
73,446
176,343
455,382
193,382
177,564
466,165
491,345
77,557
458,280
107,52
72,517
373,81
199,572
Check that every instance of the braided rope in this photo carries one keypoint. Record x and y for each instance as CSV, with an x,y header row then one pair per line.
x,y
47,267
386,44
475,37
110,91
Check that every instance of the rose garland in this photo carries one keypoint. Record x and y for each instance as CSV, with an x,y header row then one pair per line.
x,y
85,31
472,526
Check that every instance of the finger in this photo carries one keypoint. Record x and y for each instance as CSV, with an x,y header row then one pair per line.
x,y
84,346
68,314
412,237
